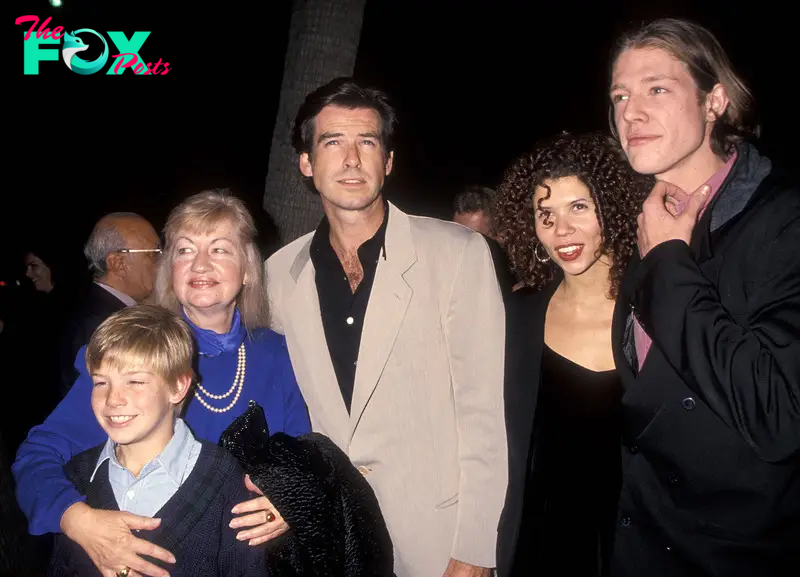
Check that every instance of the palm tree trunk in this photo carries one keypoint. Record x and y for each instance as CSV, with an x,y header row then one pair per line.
x,y
323,43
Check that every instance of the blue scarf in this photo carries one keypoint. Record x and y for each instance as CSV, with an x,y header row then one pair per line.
x,y
211,344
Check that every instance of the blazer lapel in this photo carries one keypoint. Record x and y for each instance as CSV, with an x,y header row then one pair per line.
x,y
324,394
388,302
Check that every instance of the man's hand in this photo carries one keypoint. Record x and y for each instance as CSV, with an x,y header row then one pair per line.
x,y
107,539
669,214
460,569
265,518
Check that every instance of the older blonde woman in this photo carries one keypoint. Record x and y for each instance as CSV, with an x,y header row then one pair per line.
x,y
212,273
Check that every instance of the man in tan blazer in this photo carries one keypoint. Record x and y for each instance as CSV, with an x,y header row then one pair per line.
x,y
396,329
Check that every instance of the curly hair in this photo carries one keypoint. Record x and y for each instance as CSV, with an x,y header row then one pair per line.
x,y
616,189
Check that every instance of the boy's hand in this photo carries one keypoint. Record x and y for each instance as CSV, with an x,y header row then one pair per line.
x,y
265,519
107,539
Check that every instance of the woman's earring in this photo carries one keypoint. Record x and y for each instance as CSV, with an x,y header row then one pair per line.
x,y
542,260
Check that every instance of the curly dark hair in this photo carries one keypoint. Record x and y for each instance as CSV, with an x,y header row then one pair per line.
x,y
616,189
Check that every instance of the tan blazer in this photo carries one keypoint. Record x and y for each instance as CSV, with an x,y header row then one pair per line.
x,y
427,425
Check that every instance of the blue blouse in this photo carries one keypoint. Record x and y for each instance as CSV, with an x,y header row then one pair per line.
x,y
43,490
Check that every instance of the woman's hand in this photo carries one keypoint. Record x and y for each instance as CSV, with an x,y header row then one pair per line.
x,y
265,520
107,539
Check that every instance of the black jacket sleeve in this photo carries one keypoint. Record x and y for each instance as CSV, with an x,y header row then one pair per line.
x,y
746,369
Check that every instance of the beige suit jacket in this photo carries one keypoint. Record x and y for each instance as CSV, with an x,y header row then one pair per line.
x,y
427,425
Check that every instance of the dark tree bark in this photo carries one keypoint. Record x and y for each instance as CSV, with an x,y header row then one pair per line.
x,y
323,42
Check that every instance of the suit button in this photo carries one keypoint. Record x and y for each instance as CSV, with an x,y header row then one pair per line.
x,y
689,403
626,521
634,449
363,470
673,479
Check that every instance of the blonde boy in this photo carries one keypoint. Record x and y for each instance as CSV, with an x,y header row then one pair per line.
x,y
140,360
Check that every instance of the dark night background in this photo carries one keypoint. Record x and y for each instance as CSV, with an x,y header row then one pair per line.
x,y
475,84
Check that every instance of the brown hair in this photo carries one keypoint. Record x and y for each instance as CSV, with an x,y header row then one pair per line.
x,y
143,336
347,93
708,65
202,213
616,189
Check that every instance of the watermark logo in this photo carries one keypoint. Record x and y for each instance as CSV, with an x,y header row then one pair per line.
x,y
127,57
73,44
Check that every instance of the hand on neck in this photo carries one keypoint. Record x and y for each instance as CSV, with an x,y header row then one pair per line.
x,y
218,319
349,229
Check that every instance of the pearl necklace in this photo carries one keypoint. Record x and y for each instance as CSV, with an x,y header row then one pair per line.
x,y
237,380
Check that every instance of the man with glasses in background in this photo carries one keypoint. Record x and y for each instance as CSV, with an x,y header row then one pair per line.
x,y
122,252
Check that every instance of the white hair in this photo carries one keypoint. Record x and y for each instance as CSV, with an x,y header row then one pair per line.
x,y
104,240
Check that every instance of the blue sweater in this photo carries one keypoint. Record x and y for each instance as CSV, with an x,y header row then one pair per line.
x,y
43,490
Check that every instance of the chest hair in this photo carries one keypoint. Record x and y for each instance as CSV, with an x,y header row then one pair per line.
x,y
352,268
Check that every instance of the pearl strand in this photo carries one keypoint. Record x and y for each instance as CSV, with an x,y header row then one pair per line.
x,y
240,374
239,369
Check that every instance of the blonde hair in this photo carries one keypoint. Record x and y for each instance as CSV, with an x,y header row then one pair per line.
x,y
143,336
708,65
202,213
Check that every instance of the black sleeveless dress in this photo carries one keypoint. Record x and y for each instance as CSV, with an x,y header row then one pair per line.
x,y
573,486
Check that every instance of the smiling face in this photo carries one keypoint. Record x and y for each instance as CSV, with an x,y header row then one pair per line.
x,y
567,225
663,121
208,270
348,163
38,272
135,406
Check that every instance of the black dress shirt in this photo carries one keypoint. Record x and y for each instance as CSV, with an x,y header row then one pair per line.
x,y
343,310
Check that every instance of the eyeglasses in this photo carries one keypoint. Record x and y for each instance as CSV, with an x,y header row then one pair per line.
x,y
134,250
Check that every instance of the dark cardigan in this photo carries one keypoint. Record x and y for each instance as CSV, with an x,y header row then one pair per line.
x,y
194,522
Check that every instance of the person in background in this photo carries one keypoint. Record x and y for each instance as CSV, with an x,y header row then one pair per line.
x,y
473,207
122,252
34,336
39,272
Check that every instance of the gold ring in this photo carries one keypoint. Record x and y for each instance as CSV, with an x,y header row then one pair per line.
x,y
270,518
124,572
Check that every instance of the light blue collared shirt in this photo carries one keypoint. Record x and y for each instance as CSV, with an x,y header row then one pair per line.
x,y
159,479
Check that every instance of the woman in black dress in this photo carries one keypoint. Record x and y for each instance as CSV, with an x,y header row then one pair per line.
x,y
567,213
